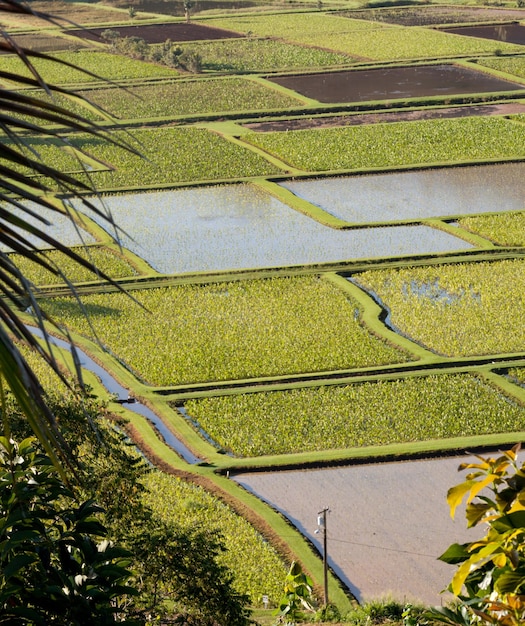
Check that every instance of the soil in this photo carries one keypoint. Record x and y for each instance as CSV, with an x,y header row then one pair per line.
x,y
159,33
511,108
431,15
41,42
64,13
176,9
509,33
394,83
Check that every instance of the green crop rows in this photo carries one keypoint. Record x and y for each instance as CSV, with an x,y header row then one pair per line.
x,y
258,568
397,143
509,65
365,414
450,308
506,229
189,97
102,64
230,330
360,38
105,260
167,155
256,55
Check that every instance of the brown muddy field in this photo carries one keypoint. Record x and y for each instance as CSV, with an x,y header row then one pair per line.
x,y
433,15
387,525
159,33
394,83
509,33
64,13
511,108
176,9
41,42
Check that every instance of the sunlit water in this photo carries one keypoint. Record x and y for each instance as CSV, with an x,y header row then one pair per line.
x,y
239,226
417,195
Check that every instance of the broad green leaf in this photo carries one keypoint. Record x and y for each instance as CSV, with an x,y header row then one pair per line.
x,y
17,563
456,494
456,553
514,520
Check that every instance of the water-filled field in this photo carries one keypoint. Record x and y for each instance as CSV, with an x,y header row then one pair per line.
x,y
397,82
417,195
510,33
239,226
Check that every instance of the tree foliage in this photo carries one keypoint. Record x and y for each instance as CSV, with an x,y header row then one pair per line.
x,y
490,575
26,191
56,565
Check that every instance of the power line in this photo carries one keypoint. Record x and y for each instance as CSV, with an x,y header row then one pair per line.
x,y
367,545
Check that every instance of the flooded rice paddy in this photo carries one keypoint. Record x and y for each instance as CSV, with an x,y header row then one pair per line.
x,y
240,226
509,33
395,82
417,195
387,525
60,227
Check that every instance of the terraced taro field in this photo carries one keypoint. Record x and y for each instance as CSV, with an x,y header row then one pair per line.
x,y
323,271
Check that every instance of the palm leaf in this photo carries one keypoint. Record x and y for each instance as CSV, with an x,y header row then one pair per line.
x,y
26,190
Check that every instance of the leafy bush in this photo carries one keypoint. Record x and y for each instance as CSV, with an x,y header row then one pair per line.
x,y
56,564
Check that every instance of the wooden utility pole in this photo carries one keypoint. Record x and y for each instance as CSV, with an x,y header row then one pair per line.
x,y
321,521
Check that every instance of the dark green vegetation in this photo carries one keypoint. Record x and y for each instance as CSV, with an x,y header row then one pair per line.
x,y
288,365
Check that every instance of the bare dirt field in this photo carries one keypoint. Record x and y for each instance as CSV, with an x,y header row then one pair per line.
x,y
397,82
387,525
511,33
158,33
510,108
429,15
64,14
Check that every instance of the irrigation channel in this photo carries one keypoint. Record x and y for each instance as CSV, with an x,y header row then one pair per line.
x,y
120,392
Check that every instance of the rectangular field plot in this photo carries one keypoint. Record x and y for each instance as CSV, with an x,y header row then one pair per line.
x,y
510,33
237,330
169,155
418,195
504,230
367,40
239,226
396,143
258,55
365,414
455,310
159,33
107,261
188,97
60,227
426,15
101,64
394,83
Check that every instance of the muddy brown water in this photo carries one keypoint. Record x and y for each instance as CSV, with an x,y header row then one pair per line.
x,y
158,33
387,525
383,117
429,15
397,82
509,33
